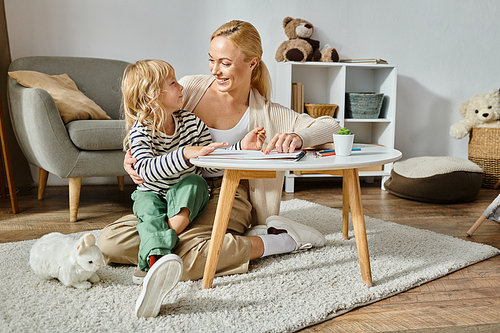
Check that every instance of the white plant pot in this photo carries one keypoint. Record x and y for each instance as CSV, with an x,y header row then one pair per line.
x,y
343,144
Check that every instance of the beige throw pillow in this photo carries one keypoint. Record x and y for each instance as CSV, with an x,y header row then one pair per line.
x,y
71,102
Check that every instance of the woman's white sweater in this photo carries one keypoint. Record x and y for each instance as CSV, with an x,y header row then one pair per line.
x,y
265,194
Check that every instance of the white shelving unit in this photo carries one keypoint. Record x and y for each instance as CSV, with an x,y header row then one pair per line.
x,y
328,83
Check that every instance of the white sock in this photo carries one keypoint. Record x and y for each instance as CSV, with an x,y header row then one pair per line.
x,y
277,244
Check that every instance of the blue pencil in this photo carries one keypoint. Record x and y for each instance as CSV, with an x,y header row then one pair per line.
x,y
331,150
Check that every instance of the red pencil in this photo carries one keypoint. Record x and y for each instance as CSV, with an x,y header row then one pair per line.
x,y
326,154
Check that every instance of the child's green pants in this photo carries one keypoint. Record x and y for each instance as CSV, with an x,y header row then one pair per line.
x,y
153,212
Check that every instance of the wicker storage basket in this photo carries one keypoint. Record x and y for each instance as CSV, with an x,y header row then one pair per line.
x,y
318,110
484,150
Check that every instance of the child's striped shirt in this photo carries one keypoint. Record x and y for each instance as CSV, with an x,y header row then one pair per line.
x,y
160,157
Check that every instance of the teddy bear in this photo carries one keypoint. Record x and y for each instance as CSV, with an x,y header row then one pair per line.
x,y
481,110
300,47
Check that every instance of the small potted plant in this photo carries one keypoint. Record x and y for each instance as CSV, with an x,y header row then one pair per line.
x,y
343,141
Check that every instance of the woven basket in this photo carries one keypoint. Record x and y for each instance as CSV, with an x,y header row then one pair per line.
x,y
364,105
484,150
318,110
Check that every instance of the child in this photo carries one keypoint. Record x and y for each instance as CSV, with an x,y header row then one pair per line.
x,y
163,138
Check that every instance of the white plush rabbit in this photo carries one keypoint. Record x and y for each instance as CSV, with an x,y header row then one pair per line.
x,y
73,262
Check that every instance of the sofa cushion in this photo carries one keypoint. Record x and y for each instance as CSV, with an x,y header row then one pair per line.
x,y
438,179
97,134
71,102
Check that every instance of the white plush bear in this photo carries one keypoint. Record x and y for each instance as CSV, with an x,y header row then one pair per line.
x,y
481,110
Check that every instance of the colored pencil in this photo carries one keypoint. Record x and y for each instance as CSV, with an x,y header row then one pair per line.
x,y
331,150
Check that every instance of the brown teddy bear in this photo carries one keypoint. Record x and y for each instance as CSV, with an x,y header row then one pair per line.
x,y
299,46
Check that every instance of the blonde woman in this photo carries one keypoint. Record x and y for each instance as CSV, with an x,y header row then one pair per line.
x,y
232,100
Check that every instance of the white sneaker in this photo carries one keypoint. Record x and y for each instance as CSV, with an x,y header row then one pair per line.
x,y
159,280
257,230
305,237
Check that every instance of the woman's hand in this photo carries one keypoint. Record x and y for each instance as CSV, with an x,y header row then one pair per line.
x,y
195,151
254,140
128,164
284,143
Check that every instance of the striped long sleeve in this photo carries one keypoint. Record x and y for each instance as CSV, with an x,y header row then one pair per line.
x,y
160,157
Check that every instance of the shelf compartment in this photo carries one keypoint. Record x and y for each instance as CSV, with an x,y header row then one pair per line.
x,y
327,83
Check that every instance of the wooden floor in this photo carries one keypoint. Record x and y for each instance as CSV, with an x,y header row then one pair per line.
x,y
465,301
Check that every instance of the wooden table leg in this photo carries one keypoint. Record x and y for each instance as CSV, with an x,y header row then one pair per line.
x,y
358,221
224,206
345,206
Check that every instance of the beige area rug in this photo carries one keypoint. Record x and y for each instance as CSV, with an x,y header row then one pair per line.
x,y
279,294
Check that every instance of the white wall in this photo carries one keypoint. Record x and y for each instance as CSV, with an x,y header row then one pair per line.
x,y
446,50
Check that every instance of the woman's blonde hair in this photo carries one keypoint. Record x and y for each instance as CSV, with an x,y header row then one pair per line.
x,y
247,39
141,89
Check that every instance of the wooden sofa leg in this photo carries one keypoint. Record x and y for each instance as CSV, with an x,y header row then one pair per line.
x,y
121,183
43,176
75,184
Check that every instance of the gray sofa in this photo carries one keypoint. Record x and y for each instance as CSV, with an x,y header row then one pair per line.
x,y
80,148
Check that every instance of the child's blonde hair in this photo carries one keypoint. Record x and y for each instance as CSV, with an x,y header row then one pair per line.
x,y
141,89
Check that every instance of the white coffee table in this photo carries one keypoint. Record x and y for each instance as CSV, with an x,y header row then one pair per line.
x,y
347,167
